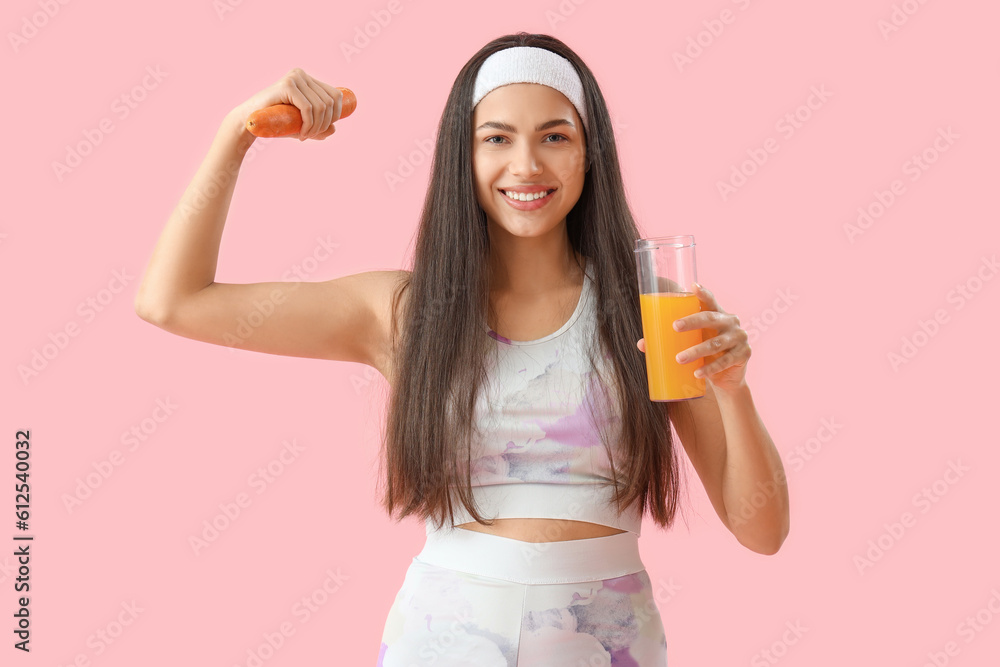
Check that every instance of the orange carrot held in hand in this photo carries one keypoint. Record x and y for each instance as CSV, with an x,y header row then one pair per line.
x,y
280,120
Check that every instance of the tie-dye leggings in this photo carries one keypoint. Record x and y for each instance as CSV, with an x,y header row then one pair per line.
x,y
471,598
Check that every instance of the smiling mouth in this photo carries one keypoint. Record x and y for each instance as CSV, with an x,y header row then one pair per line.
x,y
527,197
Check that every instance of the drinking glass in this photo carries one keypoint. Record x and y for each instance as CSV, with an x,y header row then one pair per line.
x,y
666,271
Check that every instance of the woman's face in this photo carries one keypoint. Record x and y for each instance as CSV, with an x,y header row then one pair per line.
x,y
512,152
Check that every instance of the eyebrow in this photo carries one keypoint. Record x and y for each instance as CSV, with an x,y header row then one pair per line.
x,y
506,127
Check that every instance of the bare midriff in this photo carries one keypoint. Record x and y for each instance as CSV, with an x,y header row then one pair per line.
x,y
543,530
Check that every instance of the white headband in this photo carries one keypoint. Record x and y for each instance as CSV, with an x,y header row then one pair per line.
x,y
531,64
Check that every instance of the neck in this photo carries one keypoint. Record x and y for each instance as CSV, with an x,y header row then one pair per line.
x,y
534,266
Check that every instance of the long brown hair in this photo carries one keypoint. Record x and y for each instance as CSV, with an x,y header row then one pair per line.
x,y
441,349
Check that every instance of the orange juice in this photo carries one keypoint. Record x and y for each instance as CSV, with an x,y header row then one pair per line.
x,y
669,380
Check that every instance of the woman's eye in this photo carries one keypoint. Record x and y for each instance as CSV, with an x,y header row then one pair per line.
x,y
489,140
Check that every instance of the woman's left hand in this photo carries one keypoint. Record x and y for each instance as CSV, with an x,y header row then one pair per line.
x,y
724,347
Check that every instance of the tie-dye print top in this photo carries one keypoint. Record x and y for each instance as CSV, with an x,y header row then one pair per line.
x,y
539,454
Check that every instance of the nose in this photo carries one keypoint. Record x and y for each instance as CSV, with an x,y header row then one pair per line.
x,y
523,162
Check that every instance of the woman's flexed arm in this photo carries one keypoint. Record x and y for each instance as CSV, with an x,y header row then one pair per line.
x,y
185,257
187,252
346,318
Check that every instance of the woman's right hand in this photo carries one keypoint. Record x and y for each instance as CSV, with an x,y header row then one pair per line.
x,y
317,102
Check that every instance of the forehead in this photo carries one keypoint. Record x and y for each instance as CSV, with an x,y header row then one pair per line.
x,y
523,98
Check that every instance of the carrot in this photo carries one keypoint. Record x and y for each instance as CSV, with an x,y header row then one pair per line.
x,y
280,120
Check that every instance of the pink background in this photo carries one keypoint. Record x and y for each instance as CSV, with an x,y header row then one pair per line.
x,y
825,358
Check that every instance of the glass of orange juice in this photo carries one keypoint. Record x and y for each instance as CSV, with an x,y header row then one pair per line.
x,y
666,271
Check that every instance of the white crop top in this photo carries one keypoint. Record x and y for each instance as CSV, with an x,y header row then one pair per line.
x,y
539,455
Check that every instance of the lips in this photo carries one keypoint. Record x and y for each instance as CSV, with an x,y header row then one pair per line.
x,y
531,192
531,204
527,189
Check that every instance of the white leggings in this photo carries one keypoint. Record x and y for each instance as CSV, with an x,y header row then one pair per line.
x,y
471,598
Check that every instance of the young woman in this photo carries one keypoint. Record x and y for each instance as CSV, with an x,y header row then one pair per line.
x,y
519,426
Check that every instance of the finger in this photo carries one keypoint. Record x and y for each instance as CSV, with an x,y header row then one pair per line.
x,y
336,94
305,99
324,119
699,320
706,297
716,343
330,130
715,352
332,113
711,349
720,364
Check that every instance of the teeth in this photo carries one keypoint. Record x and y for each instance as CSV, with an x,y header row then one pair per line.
x,y
520,196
